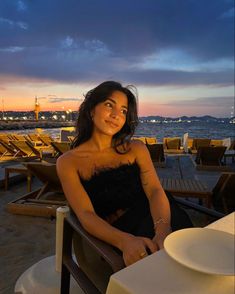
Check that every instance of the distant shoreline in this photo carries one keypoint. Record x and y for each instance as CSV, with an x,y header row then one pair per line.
x,y
22,125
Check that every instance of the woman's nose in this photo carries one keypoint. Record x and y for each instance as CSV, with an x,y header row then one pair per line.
x,y
114,113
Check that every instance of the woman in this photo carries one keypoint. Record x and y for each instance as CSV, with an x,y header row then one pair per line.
x,y
110,181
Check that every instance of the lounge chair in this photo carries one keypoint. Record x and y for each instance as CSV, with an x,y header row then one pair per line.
x,y
6,150
172,145
25,149
34,139
97,260
157,154
210,158
9,149
45,200
60,147
46,139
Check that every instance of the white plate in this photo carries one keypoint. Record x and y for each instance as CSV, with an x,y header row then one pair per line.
x,y
202,249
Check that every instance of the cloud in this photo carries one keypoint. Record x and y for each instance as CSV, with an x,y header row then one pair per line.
x,y
228,14
11,49
225,102
78,41
58,100
21,5
11,23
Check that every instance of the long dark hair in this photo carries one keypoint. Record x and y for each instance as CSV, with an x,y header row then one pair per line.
x,y
102,92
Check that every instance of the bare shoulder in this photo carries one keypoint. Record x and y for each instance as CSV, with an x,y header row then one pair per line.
x,y
138,146
67,160
140,151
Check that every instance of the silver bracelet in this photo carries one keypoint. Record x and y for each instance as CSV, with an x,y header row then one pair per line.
x,y
159,221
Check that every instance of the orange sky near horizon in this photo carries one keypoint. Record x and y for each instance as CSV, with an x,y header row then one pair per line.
x,y
163,101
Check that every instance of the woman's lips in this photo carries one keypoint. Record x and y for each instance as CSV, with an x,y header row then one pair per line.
x,y
112,124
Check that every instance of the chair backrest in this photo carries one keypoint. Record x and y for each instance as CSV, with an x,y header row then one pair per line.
x,y
150,140
46,173
223,193
5,148
200,142
5,138
216,142
46,139
61,147
25,148
97,259
172,143
18,137
156,152
210,155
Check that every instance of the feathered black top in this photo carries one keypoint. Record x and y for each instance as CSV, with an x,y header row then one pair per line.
x,y
115,188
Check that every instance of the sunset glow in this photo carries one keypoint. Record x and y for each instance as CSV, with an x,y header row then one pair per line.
x,y
180,59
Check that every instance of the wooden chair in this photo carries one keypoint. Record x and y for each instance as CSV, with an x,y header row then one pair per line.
x,y
210,155
223,193
96,259
110,260
45,200
172,145
157,154
197,143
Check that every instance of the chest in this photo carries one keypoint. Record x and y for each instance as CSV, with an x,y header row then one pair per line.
x,y
90,163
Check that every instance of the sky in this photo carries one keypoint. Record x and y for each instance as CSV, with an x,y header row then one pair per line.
x,y
179,54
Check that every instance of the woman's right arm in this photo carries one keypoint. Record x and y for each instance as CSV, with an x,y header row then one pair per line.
x,y
78,199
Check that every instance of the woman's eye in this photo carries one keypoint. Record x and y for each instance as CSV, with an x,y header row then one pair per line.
x,y
124,111
108,104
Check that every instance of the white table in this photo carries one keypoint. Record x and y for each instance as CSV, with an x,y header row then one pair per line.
x,y
160,274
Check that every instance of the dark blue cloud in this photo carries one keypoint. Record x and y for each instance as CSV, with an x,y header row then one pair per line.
x,y
76,41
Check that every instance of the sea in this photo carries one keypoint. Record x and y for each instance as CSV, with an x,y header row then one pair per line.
x,y
212,130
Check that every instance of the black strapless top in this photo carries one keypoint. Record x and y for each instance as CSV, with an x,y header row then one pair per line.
x,y
116,188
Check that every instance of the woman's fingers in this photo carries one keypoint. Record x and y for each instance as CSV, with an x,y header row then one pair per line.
x,y
150,244
138,248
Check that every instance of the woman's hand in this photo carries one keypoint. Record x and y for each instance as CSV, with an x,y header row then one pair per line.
x,y
135,248
159,238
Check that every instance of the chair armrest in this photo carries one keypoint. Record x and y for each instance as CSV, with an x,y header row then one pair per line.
x,y
200,208
105,250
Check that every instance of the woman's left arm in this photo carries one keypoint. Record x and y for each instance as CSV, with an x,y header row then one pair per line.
x,y
159,204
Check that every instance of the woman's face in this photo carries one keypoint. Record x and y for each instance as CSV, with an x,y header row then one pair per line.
x,y
110,116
